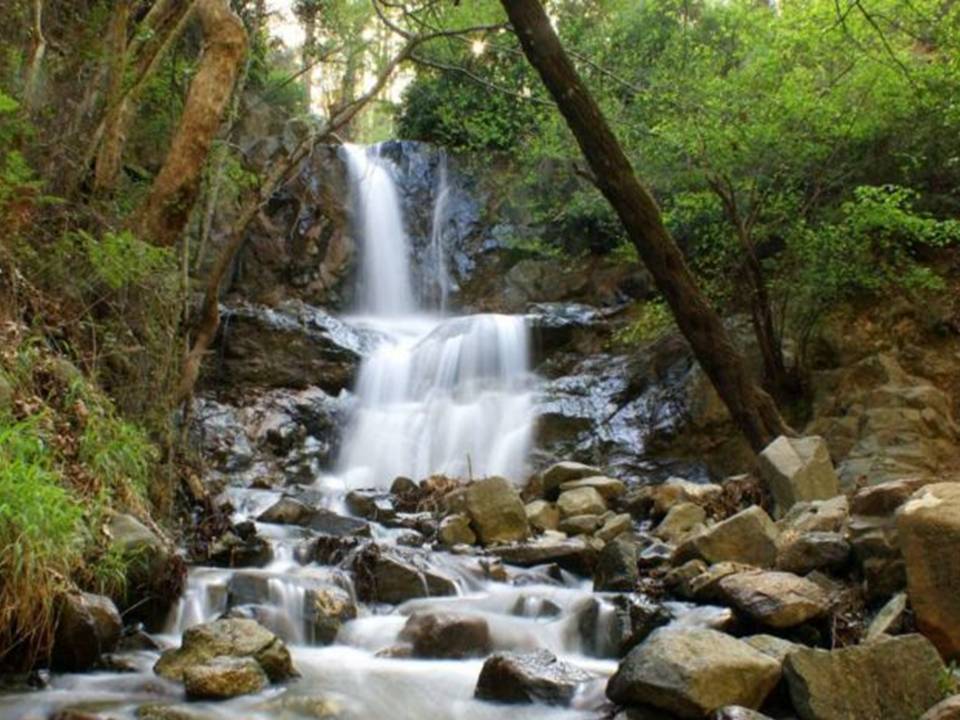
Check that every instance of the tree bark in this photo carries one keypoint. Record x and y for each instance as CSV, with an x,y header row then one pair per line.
x,y
164,213
751,408
111,150
155,35
38,51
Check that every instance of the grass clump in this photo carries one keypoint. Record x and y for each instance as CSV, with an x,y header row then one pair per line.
x,y
41,536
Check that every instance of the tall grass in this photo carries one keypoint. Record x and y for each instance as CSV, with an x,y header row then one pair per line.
x,y
41,541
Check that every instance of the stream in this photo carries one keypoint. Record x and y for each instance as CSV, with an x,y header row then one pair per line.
x,y
439,394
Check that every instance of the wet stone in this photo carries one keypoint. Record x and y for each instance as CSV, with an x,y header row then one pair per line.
x,y
537,677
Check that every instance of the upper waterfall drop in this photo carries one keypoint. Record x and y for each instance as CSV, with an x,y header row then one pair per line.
x,y
441,394
385,284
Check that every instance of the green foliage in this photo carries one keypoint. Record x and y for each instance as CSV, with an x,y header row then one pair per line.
x,y
874,247
652,320
121,259
41,532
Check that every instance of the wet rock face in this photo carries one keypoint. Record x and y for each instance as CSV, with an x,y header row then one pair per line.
x,y
267,437
304,249
290,345
419,174
535,677
895,679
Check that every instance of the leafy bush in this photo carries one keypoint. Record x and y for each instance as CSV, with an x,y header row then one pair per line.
x,y
652,320
872,248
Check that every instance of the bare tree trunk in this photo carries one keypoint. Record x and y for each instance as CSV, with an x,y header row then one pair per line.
x,y
751,408
38,51
164,213
111,150
155,35
209,320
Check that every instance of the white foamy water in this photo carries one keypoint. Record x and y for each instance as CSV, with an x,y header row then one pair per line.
x,y
384,283
449,395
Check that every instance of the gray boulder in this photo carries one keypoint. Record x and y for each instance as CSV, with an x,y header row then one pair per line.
x,y
496,511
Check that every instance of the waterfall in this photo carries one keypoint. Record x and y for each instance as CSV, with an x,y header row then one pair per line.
x,y
441,394
385,287
438,256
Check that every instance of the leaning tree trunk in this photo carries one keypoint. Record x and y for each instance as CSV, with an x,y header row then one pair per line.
x,y
751,408
164,213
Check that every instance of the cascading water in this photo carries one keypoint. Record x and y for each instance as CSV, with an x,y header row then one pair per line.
x,y
385,287
440,394
447,395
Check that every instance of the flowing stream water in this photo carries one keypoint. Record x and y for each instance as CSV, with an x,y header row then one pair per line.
x,y
441,394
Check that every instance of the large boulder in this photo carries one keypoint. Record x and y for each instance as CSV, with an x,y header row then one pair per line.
x,y
895,679
233,638
395,576
447,635
543,515
805,552
562,472
535,677
581,501
776,599
798,469
693,672
496,511
617,567
929,529
155,573
291,345
224,677
87,626
748,537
